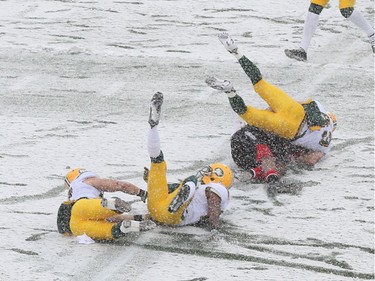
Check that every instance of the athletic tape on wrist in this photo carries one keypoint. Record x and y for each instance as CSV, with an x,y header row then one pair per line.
x,y
110,204
129,226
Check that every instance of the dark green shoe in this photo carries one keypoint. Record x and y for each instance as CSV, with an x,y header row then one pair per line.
x,y
297,54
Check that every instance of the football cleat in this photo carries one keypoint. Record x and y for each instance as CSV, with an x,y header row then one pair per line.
x,y
228,42
297,54
155,109
221,85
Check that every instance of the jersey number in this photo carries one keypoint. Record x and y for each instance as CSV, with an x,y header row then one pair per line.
x,y
326,139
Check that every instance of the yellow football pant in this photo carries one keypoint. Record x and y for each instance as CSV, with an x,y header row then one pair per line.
x,y
88,216
286,116
343,3
158,199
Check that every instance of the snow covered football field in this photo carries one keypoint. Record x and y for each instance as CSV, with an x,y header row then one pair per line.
x,y
76,78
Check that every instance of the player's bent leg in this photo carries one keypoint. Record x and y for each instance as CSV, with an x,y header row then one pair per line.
x,y
157,186
168,208
169,212
177,201
91,209
99,230
311,23
282,104
158,197
287,116
278,100
88,217
276,123
356,17
183,194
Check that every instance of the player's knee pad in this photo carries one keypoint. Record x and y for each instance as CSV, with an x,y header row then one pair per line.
x,y
315,8
347,12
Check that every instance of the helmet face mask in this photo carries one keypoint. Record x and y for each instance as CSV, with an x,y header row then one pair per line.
x,y
205,171
217,173
208,171
333,119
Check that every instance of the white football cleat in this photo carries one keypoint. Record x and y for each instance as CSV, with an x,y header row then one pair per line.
x,y
155,109
228,42
221,85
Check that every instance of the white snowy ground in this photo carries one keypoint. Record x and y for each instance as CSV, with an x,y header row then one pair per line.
x,y
76,78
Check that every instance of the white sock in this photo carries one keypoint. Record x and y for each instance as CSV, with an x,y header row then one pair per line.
x,y
231,94
359,20
309,28
129,226
153,142
238,55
